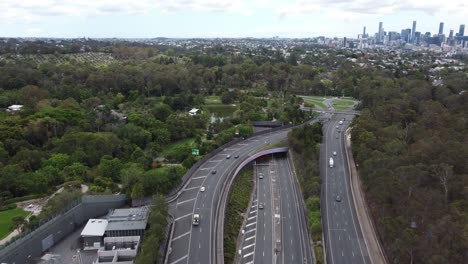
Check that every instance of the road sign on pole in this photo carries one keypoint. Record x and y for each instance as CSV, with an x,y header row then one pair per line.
x,y
195,152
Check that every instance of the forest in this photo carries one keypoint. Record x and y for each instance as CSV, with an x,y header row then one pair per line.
x,y
410,143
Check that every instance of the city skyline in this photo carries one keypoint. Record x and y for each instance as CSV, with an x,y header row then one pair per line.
x,y
223,18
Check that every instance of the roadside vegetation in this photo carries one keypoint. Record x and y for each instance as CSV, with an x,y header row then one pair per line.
x,y
10,220
410,143
238,202
305,144
155,235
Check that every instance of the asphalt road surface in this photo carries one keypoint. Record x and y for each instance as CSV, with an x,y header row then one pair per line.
x,y
278,232
194,244
343,236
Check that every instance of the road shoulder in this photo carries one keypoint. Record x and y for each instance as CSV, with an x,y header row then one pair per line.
x,y
372,242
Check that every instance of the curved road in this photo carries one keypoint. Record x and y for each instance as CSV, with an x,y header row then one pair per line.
x,y
343,236
194,244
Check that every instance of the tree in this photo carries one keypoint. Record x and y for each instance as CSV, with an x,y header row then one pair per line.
x,y
18,222
110,168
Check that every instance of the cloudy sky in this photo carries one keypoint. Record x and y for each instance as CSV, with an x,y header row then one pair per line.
x,y
223,18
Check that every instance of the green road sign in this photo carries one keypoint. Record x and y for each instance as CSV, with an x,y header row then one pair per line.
x,y
195,152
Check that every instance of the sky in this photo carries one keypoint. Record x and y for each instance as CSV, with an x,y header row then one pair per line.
x,y
223,18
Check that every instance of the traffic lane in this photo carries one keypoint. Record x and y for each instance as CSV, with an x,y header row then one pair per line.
x,y
245,149
200,254
357,246
264,240
342,223
292,235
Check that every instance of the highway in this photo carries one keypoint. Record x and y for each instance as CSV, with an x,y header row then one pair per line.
x,y
195,244
278,232
343,236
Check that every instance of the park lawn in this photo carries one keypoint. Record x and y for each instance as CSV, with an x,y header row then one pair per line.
x,y
342,104
221,110
6,223
316,102
176,146
212,100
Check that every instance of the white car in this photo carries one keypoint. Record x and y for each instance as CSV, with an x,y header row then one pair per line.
x,y
228,156
260,175
202,189
334,153
341,122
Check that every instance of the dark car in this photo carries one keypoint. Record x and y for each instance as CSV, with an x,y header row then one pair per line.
x,y
260,206
338,198
236,156
213,172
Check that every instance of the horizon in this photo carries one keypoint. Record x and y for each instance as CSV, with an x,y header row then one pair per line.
x,y
223,19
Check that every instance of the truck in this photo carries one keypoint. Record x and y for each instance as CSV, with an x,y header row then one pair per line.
x,y
196,219
331,162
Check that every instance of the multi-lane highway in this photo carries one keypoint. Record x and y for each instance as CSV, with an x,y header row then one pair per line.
x,y
195,244
275,230
344,240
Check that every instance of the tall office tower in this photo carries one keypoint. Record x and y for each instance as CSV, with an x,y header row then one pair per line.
x,y
441,28
344,42
380,32
451,34
461,31
413,32
364,32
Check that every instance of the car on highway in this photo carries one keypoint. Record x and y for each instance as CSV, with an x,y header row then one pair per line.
x,y
260,206
202,189
260,175
337,137
213,172
337,127
341,122
228,156
334,153
196,219
338,198
236,156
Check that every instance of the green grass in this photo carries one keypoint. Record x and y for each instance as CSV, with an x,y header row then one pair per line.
x,y
212,100
169,150
341,104
237,203
221,110
6,223
316,100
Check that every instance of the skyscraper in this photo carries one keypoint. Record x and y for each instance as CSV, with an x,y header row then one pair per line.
x,y
380,35
461,31
441,28
451,34
413,32
364,32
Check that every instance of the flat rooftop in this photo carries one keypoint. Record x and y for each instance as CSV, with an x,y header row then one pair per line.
x,y
94,227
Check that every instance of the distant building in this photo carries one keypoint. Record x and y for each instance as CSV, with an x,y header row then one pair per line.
x,y
194,111
380,34
119,250
441,28
413,33
461,31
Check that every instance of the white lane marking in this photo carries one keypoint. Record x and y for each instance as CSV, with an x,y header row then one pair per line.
x,y
251,245
352,252
250,262
207,168
180,217
177,237
253,212
251,230
199,177
248,254
253,223
342,253
215,160
186,201
250,218
199,245
178,260
249,238
242,144
229,149
191,188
